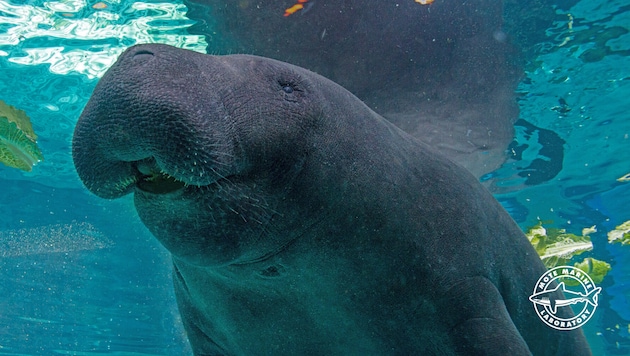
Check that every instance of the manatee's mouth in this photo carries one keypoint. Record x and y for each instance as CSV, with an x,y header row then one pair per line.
x,y
159,183
151,179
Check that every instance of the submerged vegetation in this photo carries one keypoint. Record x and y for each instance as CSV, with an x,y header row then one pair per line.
x,y
556,247
621,234
18,142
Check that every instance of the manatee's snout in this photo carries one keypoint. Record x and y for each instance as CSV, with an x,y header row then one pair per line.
x,y
148,125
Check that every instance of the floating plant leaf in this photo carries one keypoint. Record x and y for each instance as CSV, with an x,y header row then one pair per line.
x,y
595,269
556,247
621,234
18,142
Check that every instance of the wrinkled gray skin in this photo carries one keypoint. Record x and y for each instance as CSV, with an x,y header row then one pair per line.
x,y
300,221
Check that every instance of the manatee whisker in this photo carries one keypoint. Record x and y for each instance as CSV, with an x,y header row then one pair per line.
x,y
237,213
222,177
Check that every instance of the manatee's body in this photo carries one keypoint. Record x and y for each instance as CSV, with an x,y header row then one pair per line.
x,y
444,73
303,223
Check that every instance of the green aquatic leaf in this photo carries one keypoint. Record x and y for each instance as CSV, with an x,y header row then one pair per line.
x,y
596,269
621,234
555,246
18,142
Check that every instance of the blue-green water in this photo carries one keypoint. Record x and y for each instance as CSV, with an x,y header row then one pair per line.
x,y
81,275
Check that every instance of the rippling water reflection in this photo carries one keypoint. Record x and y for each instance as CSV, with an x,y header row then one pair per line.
x,y
86,37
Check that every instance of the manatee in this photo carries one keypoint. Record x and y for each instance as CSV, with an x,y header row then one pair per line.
x,y
445,73
302,222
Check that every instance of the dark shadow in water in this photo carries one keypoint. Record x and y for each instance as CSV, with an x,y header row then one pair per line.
x,y
444,73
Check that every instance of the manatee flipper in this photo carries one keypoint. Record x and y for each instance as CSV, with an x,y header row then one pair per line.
x,y
481,324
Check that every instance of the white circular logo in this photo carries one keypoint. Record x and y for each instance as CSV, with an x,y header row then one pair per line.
x,y
578,288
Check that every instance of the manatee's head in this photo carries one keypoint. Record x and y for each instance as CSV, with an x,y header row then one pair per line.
x,y
204,143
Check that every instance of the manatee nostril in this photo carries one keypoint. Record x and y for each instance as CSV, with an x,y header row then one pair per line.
x,y
142,54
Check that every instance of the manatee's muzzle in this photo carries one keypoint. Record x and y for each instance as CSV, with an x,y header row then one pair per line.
x,y
156,124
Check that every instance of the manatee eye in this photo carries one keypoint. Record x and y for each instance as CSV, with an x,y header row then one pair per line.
x,y
290,89
289,86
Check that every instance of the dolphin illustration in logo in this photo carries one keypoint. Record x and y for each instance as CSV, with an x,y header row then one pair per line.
x,y
544,297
